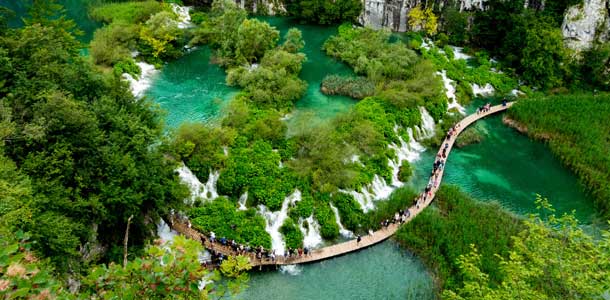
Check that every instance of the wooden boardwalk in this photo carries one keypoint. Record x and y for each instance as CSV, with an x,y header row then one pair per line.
x,y
352,245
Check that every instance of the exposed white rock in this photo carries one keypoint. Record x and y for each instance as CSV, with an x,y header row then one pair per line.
x,y
584,23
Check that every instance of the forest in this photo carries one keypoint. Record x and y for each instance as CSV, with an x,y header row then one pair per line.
x,y
88,170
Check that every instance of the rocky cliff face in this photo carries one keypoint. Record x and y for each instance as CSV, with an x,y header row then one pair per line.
x,y
585,23
265,7
392,14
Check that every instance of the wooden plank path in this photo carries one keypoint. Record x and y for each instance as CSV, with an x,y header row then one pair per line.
x,y
351,245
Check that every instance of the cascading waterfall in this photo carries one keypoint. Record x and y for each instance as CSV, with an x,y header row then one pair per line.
x,y
311,234
486,90
242,201
427,124
450,92
165,233
342,231
139,85
205,191
458,53
274,220
378,189
405,151
184,17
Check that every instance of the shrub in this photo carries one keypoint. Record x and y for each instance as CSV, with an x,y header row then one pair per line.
x,y
355,87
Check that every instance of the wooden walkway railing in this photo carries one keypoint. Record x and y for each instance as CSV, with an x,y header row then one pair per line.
x,y
352,245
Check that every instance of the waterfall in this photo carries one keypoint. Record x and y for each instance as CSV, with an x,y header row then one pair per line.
x,y
242,201
311,235
450,92
274,220
405,152
458,53
140,84
205,191
378,189
184,17
427,124
486,90
165,233
344,232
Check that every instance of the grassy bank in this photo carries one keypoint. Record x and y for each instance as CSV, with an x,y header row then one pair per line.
x,y
576,128
443,232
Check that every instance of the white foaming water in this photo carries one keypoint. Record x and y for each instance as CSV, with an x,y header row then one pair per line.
x,y
311,234
516,93
274,220
184,17
378,189
205,191
458,53
450,92
293,270
486,90
406,151
342,231
427,122
242,201
140,85
165,233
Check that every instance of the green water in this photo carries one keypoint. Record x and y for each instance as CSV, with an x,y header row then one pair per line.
x,y
76,10
317,66
381,272
191,89
510,168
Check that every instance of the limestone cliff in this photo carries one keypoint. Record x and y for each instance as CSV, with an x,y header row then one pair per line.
x,y
265,7
585,23
393,13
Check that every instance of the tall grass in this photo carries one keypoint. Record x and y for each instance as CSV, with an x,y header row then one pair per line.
x,y
577,129
443,232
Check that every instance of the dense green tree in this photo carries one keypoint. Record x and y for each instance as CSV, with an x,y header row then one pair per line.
x,y
552,258
161,38
113,43
254,38
169,272
293,41
325,12
134,12
543,55
596,66
84,144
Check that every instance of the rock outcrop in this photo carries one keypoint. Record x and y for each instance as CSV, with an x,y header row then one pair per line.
x,y
393,14
265,7
586,23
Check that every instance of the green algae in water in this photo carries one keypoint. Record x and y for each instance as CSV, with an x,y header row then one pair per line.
x,y
191,89
381,272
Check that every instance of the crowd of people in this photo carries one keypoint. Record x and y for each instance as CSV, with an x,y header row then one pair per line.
x,y
485,108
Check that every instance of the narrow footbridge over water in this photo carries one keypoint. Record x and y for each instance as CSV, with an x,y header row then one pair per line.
x,y
352,245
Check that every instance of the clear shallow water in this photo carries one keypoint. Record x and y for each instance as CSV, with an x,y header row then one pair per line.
x,y
381,272
191,89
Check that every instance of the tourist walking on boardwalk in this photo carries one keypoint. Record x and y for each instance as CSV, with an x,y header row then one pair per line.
x,y
358,239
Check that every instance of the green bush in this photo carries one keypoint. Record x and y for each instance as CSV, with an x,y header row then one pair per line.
x,y
355,87
405,172
349,210
221,217
129,12
127,66
292,234
113,43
